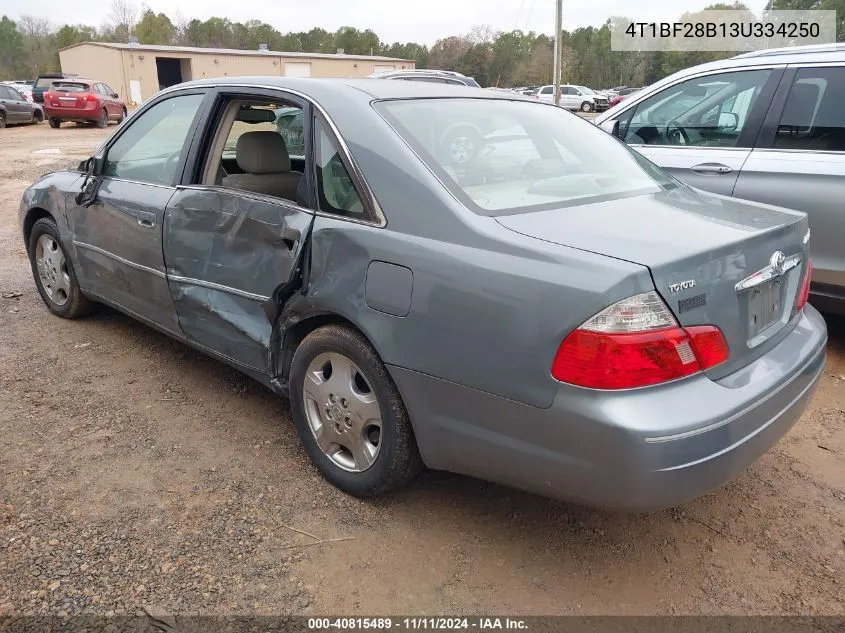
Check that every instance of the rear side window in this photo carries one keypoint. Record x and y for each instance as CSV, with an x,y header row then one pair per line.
x,y
814,115
5,93
336,189
70,86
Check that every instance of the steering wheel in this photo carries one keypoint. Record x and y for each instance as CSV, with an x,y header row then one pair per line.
x,y
676,134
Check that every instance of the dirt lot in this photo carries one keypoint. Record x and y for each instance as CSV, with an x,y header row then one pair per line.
x,y
135,472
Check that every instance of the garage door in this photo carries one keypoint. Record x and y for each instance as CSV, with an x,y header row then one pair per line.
x,y
380,68
297,69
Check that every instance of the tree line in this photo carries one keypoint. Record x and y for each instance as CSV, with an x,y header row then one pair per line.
x,y
30,45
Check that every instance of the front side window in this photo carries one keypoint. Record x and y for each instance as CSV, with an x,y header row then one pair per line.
x,y
15,95
336,189
708,111
150,150
814,114
499,156
547,90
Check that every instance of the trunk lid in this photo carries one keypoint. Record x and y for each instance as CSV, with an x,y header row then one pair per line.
x,y
710,258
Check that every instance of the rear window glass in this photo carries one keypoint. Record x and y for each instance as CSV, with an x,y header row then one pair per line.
x,y
70,86
44,82
500,156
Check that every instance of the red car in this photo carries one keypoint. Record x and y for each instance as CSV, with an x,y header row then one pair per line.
x,y
82,101
623,94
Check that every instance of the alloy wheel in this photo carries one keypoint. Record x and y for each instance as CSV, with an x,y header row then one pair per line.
x,y
52,269
342,412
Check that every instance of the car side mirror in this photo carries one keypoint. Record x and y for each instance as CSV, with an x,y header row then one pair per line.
x,y
728,121
114,95
611,126
91,184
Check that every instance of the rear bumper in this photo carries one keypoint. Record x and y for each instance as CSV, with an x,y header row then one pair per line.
x,y
637,450
73,114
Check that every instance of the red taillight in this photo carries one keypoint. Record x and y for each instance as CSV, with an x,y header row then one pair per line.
x,y
90,97
636,343
48,95
804,294
709,345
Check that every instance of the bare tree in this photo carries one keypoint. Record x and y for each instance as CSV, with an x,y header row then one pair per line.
x,y
181,24
123,17
482,34
39,45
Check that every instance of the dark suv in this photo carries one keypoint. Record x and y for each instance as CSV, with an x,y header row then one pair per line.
x,y
43,83
433,76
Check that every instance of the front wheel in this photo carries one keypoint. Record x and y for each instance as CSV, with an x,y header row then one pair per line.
x,y
103,121
37,117
53,272
2,120
349,414
122,116
586,107
55,123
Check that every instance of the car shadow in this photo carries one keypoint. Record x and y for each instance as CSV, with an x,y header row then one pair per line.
x,y
484,500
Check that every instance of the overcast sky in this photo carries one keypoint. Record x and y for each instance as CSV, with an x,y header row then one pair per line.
x,y
393,20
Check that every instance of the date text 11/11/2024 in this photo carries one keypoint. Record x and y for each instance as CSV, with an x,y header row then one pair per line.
x,y
416,623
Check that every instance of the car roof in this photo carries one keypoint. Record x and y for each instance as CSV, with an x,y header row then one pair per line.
x,y
355,88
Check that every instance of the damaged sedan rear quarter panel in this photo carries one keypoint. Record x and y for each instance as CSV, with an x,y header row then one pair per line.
x,y
455,303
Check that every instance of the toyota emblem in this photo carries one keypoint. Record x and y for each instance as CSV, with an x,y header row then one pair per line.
x,y
777,261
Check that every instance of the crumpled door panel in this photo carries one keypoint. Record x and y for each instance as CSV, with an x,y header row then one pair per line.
x,y
228,254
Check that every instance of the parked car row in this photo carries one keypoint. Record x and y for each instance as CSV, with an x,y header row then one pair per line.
x,y
60,97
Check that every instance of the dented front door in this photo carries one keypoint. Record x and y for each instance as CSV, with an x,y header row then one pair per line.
x,y
228,254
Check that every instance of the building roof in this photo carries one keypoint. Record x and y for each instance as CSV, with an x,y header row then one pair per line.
x,y
231,51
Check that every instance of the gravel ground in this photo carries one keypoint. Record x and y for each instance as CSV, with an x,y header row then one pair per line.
x,y
137,474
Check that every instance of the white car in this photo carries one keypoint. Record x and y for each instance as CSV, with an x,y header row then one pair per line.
x,y
575,98
22,87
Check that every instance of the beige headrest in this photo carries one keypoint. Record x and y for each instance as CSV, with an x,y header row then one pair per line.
x,y
262,152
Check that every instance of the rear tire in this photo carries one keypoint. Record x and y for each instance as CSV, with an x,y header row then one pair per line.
x,y
53,272
103,121
368,445
2,120
55,123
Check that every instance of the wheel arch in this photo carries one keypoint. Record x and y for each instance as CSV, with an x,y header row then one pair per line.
x,y
291,332
32,216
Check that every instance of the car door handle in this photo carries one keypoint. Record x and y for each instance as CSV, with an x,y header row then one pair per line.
x,y
147,224
712,168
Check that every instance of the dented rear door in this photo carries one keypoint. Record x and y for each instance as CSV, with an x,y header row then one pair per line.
x,y
230,255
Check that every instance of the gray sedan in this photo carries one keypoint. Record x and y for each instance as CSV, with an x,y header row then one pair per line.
x,y
555,313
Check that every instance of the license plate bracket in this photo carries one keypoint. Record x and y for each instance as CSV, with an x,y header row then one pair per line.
x,y
765,306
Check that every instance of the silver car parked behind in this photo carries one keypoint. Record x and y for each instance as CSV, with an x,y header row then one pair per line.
x,y
767,126
555,314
